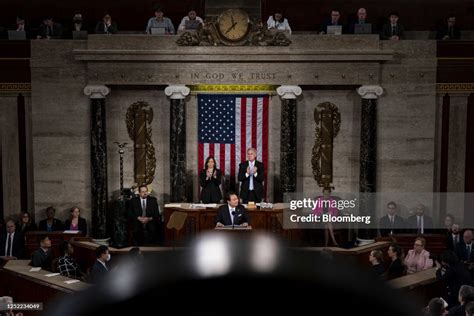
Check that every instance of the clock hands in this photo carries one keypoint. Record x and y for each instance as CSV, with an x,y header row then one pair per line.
x,y
232,27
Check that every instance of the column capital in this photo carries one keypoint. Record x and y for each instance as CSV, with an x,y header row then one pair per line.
x,y
96,91
289,92
177,91
370,92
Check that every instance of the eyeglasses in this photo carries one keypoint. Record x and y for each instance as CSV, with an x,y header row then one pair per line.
x,y
419,245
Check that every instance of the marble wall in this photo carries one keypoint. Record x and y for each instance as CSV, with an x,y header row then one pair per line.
x,y
327,70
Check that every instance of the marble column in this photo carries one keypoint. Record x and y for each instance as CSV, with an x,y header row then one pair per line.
x,y
98,160
177,95
368,155
288,95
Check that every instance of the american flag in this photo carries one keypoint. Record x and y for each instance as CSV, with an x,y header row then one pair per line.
x,y
229,125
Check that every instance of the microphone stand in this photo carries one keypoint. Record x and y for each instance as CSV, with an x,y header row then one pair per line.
x,y
233,219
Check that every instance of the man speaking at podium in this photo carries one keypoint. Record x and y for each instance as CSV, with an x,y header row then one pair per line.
x,y
232,214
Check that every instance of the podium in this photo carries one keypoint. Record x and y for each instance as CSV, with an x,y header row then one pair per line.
x,y
234,229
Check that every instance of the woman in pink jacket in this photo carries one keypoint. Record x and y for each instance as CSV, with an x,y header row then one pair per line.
x,y
325,205
418,259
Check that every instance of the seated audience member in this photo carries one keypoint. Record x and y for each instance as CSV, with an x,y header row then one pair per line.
x,y
448,224
75,221
232,213
465,296
335,19
50,29
392,30
376,259
418,259
391,223
42,257
50,224
436,307
278,22
454,238
160,21
210,179
420,223
20,25
361,19
396,268
100,269
67,266
454,274
465,251
11,242
449,30
78,24
25,224
106,26
192,16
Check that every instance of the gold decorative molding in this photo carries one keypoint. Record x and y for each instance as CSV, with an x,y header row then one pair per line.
x,y
233,88
15,87
455,87
138,119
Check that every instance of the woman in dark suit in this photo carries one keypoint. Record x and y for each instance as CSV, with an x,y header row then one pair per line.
x,y
210,179
25,224
75,221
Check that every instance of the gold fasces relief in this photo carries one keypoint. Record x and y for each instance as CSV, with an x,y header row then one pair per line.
x,y
139,118
328,124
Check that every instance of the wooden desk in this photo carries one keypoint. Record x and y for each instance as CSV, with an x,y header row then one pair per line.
x,y
421,285
361,254
84,252
24,286
203,218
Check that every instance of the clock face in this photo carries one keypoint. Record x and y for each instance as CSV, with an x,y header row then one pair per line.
x,y
233,24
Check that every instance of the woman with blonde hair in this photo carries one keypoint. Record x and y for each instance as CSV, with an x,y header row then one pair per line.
x,y
418,259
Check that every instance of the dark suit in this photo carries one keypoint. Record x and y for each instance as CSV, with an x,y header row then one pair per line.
x,y
385,226
455,276
17,246
450,242
453,33
413,224
395,270
57,225
457,310
241,216
387,31
257,181
211,191
42,259
98,272
53,32
462,254
101,28
149,232
82,224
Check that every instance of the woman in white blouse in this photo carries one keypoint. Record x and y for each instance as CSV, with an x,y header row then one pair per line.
x,y
278,22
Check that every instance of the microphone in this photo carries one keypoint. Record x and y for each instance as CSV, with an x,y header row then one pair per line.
x,y
233,219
